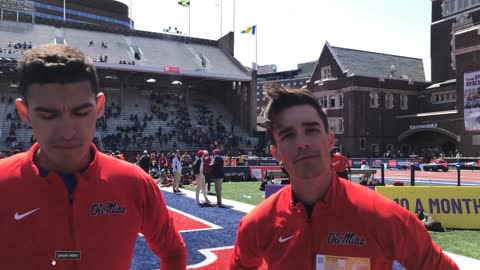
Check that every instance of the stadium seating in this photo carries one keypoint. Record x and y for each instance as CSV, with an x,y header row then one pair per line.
x,y
155,52
117,45
20,32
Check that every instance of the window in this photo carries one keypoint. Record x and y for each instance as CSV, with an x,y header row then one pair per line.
x,y
373,100
452,6
288,84
301,83
363,142
258,87
374,148
325,102
281,84
258,93
389,100
294,83
263,99
258,99
336,124
332,102
403,102
445,97
326,73
258,108
390,147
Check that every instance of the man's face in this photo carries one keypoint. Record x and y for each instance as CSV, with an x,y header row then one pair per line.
x,y
63,118
301,142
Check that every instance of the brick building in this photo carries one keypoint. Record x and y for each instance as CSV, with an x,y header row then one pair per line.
x,y
378,102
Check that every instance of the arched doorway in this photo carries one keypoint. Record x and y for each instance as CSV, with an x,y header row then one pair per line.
x,y
428,142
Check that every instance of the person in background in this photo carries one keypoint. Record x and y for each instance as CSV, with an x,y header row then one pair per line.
x,y
240,160
177,172
208,171
217,175
144,161
340,163
320,215
198,169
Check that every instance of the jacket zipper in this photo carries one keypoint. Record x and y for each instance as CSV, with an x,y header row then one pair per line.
x,y
72,229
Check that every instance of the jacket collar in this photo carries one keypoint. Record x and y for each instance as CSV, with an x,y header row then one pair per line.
x,y
30,165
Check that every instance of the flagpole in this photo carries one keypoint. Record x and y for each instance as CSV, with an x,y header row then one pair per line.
x,y
221,18
131,13
189,6
256,47
64,11
233,16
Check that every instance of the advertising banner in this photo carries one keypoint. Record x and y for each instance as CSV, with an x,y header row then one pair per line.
x,y
471,100
454,207
258,172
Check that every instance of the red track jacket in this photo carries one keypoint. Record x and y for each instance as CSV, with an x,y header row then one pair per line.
x,y
351,221
112,202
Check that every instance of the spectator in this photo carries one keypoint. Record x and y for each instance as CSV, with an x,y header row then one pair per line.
x,y
198,169
217,175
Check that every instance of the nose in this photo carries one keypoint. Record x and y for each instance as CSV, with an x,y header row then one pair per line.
x,y
302,146
66,129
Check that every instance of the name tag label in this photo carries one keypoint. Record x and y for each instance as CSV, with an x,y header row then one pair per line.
x,y
328,262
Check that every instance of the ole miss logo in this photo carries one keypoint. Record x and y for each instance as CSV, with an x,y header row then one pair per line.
x,y
107,208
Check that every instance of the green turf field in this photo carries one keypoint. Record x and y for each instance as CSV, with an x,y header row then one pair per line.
x,y
466,243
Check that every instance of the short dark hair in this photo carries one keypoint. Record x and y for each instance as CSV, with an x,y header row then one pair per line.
x,y
282,98
54,63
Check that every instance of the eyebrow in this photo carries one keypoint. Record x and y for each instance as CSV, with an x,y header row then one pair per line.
x,y
76,109
304,124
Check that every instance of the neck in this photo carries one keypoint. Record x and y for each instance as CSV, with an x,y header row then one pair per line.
x,y
64,168
308,191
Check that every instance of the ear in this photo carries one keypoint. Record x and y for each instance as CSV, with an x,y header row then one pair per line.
x,y
100,104
22,109
331,140
274,152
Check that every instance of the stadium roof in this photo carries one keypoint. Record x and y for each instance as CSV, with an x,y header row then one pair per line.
x,y
152,52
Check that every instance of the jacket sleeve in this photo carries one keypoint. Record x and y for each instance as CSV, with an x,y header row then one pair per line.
x,y
159,231
246,254
418,251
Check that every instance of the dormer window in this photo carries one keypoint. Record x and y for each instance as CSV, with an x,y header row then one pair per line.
x,y
326,73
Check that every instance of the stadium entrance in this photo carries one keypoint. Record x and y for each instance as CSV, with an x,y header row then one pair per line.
x,y
428,142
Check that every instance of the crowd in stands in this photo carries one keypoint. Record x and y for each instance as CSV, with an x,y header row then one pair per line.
x,y
17,47
103,57
124,62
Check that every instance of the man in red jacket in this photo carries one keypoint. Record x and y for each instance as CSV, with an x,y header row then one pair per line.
x,y
340,163
320,218
63,203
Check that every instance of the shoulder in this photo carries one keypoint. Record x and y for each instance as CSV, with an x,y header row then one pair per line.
x,y
266,212
120,170
373,206
13,167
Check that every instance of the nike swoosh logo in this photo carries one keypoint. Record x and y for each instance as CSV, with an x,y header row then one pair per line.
x,y
283,240
21,216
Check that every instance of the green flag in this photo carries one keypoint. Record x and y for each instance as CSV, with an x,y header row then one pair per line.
x,y
184,3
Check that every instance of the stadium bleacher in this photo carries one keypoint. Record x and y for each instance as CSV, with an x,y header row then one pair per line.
x,y
203,60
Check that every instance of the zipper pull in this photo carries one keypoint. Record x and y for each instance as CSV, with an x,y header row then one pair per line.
x,y
70,198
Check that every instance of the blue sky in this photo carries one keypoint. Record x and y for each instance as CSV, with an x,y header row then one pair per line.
x,y
292,32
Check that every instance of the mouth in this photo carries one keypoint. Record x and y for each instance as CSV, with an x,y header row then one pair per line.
x,y
67,147
302,158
